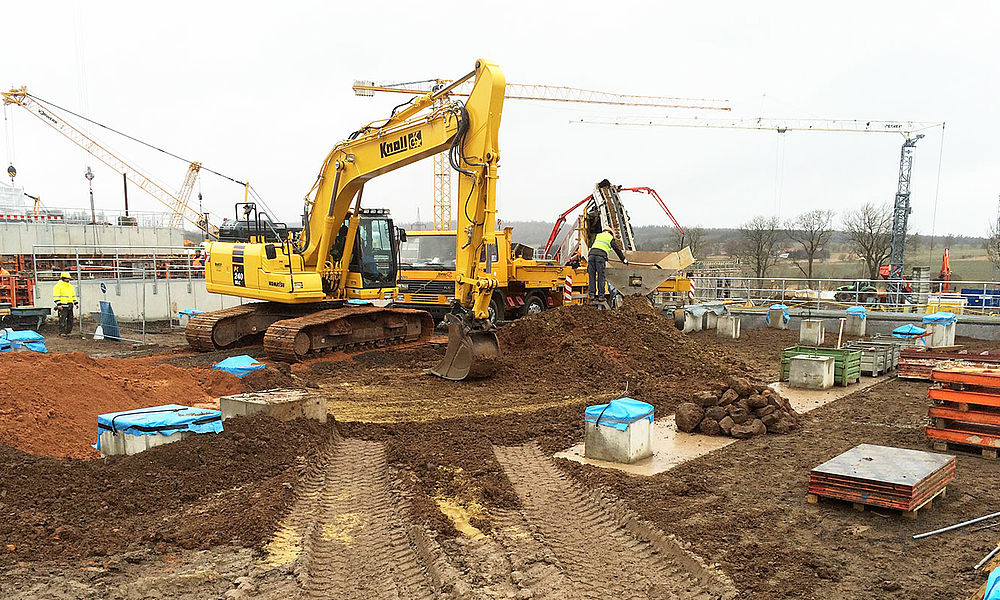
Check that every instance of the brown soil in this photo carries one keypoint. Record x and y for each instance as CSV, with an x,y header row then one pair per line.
x,y
601,350
205,490
744,506
753,351
51,401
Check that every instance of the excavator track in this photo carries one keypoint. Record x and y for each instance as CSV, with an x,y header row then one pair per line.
x,y
201,329
345,329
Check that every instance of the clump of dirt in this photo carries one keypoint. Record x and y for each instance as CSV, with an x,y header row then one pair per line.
x,y
589,348
208,489
739,408
275,375
50,402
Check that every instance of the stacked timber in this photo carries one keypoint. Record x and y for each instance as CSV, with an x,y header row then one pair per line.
x,y
882,476
917,363
965,408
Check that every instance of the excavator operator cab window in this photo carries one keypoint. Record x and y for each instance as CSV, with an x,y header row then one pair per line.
x,y
374,255
494,255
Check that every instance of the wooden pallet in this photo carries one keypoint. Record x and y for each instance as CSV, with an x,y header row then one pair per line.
x,y
965,449
861,506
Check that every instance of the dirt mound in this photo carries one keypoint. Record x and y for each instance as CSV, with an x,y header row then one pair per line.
x,y
50,402
591,349
275,375
207,489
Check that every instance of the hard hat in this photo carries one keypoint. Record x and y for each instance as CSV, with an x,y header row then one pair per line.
x,y
608,229
64,275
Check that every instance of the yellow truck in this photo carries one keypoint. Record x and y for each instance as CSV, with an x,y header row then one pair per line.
x,y
525,285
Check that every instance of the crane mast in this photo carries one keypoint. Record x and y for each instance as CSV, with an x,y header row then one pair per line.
x,y
178,203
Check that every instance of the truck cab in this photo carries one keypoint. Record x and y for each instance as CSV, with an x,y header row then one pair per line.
x,y
524,285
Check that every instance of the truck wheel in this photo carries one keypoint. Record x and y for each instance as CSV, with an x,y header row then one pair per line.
x,y
496,309
534,305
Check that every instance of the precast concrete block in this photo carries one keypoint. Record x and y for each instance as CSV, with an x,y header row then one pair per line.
x,y
692,323
811,332
810,372
283,404
940,334
728,327
855,326
117,443
776,319
711,321
602,442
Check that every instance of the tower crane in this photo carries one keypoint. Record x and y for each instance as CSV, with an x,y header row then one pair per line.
x,y
519,91
908,129
177,202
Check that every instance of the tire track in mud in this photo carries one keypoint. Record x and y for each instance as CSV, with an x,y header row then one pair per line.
x,y
600,549
349,533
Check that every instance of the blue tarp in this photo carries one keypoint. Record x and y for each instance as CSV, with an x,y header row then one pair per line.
x,y
15,340
163,420
619,413
785,317
993,585
241,365
908,331
940,318
188,312
858,310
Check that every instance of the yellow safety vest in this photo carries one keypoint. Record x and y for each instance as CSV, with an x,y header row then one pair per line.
x,y
602,241
64,292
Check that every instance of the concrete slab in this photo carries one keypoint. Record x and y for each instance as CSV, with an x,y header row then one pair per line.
x,y
672,447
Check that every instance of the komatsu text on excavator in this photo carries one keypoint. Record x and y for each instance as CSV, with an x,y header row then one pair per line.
x,y
320,287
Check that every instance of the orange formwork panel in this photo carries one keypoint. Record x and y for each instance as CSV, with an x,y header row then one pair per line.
x,y
968,375
962,436
964,397
966,416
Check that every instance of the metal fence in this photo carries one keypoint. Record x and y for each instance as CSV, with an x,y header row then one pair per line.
x,y
921,296
129,280
101,314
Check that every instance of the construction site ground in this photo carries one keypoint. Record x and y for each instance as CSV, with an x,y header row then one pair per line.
x,y
424,488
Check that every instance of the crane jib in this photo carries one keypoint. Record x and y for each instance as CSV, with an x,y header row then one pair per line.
x,y
407,141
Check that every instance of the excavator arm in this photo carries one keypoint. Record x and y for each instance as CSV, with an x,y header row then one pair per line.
x,y
428,125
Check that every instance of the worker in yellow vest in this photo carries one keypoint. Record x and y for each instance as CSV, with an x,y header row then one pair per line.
x,y
64,295
597,259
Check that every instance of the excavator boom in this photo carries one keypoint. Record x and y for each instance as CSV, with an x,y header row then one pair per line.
x,y
343,251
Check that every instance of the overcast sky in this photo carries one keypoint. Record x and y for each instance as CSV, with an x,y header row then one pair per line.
x,y
262,91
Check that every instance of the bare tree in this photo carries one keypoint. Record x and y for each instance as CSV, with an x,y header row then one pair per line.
x,y
869,233
693,238
811,230
992,243
759,244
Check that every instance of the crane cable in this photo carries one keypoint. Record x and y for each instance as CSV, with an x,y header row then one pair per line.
x,y
937,192
147,144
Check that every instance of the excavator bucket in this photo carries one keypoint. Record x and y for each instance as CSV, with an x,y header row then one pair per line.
x,y
470,353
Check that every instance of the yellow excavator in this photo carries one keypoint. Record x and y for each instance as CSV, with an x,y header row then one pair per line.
x,y
321,288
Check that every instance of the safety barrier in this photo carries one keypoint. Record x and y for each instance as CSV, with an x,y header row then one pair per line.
x,y
922,296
